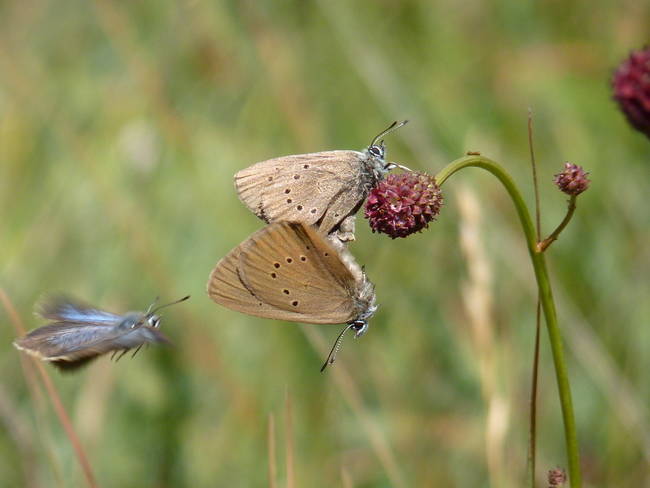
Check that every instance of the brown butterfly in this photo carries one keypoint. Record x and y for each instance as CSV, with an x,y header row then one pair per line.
x,y
324,188
290,271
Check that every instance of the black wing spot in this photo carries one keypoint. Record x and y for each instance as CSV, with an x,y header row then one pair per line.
x,y
261,213
306,166
277,265
299,207
308,248
296,177
270,178
288,190
289,200
313,210
274,275
294,303
326,254
303,258
289,260
285,291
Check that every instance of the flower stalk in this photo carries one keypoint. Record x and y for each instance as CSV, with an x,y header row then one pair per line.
x,y
543,245
545,295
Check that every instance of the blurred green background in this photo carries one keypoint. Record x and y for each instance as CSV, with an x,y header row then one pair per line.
x,y
121,126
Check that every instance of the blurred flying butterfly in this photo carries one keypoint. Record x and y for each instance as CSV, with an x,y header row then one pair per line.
x,y
78,333
324,188
290,271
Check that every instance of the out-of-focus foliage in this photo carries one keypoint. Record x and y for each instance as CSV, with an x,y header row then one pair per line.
x,y
121,125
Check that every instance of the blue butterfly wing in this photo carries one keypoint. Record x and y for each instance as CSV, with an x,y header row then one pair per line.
x,y
66,309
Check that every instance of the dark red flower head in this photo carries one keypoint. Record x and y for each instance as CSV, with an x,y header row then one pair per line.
x,y
631,85
573,180
403,204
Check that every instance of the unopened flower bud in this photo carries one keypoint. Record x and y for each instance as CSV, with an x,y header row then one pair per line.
x,y
573,180
556,478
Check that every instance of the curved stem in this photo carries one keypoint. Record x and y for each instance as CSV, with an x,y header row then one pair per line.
x,y
532,436
541,246
545,295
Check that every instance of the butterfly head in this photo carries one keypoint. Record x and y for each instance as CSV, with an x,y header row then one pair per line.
x,y
359,327
149,318
153,321
132,320
376,151
367,302
360,324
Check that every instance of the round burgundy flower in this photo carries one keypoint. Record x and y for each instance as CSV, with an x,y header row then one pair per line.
x,y
631,85
573,180
403,204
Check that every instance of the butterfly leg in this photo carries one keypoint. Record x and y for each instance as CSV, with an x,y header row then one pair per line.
x,y
136,351
114,353
124,351
345,232
335,241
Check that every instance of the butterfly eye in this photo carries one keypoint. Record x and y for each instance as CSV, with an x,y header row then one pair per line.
x,y
154,321
376,151
359,327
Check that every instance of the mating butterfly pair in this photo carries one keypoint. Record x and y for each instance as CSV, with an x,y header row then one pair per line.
x,y
298,268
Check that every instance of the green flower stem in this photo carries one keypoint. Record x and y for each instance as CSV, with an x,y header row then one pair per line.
x,y
541,246
545,295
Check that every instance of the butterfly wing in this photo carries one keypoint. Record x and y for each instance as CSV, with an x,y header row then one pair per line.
x,y
61,339
65,309
309,188
286,271
226,288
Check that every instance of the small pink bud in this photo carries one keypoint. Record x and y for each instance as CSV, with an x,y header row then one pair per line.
x,y
403,204
573,180
556,478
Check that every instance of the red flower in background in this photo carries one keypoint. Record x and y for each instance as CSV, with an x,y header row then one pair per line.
x,y
631,85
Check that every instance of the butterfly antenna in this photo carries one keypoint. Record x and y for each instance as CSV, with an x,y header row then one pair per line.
x,y
167,305
331,357
394,126
155,300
